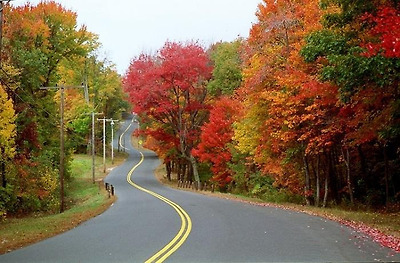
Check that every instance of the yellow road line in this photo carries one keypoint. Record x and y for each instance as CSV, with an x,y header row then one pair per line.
x,y
186,225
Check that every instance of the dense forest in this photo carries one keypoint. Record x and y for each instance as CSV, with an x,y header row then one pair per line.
x,y
42,46
306,109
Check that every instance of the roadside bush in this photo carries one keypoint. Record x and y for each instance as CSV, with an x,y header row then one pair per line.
x,y
6,197
204,172
262,187
30,188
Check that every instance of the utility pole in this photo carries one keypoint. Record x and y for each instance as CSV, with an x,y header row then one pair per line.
x,y
62,154
93,145
86,89
120,139
104,120
104,143
112,139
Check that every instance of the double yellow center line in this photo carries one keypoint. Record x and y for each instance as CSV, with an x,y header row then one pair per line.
x,y
186,222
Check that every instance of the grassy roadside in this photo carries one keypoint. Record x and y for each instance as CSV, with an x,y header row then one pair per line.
x,y
381,226
84,201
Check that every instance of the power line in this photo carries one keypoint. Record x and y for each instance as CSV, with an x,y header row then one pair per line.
x,y
5,72
32,103
93,146
62,154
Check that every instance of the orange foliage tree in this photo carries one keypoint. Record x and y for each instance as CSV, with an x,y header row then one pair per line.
x,y
276,76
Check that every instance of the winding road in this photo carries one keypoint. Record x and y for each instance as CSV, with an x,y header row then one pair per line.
x,y
153,223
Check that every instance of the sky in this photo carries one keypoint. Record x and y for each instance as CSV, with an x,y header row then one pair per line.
x,y
127,28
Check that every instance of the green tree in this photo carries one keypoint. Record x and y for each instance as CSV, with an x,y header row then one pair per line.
x,y
38,38
105,95
357,52
227,74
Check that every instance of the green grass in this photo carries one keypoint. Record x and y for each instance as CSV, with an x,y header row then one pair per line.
x,y
84,200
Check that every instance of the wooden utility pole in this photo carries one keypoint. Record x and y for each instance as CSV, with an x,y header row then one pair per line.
x,y
93,146
86,89
62,154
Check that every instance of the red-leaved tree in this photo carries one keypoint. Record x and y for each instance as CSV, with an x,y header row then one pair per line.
x,y
215,138
169,89
386,28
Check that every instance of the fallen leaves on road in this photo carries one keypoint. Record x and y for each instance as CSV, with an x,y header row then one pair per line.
x,y
376,235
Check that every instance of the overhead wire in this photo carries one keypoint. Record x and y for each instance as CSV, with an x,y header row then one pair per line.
x,y
31,104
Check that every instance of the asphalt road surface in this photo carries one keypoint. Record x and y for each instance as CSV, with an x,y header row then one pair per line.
x,y
150,222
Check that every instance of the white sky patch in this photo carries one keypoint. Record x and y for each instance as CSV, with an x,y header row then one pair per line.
x,y
127,28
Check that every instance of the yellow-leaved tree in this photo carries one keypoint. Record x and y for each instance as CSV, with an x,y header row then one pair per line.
x,y
7,142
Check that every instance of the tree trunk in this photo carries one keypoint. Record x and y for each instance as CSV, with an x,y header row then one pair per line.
x,y
173,166
317,184
346,158
183,170
327,175
334,176
195,171
189,172
386,160
179,170
326,191
307,186
169,170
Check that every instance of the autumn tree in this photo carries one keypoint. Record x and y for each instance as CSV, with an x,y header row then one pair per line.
x,y
170,89
227,73
274,76
39,41
7,130
7,143
105,94
216,137
358,49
